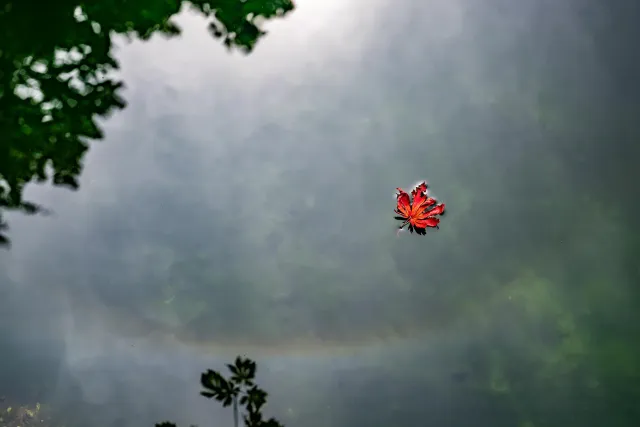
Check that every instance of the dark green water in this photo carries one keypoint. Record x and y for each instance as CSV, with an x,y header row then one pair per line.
x,y
244,204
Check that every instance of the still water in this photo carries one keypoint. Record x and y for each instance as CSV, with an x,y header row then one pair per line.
x,y
244,205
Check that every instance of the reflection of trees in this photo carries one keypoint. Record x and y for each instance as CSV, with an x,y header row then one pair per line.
x,y
56,77
239,391
30,360
554,347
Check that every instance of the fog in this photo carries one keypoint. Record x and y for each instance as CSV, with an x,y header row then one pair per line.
x,y
244,205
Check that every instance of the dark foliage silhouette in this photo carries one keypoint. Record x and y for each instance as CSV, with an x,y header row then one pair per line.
x,y
56,77
237,390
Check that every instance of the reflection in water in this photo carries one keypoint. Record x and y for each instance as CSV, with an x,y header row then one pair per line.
x,y
242,205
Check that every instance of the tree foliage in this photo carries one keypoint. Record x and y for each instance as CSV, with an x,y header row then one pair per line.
x,y
57,77
238,390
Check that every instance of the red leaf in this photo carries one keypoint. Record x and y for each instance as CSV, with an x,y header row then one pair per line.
x,y
419,213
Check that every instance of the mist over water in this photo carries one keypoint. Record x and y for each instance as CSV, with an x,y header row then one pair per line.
x,y
242,205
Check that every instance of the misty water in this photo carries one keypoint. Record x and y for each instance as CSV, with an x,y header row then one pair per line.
x,y
244,205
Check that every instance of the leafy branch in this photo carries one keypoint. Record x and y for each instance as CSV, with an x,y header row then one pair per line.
x,y
56,82
237,390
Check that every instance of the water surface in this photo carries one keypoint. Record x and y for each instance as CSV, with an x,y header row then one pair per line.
x,y
245,205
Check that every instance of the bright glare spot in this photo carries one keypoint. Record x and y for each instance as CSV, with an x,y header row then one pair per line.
x,y
30,90
312,15
96,27
39,67
79,15
321,26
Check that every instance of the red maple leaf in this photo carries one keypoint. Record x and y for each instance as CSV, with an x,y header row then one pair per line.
x,y
419,213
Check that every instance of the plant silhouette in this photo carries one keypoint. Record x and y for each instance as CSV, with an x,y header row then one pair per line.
x,y
56,77
237,390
